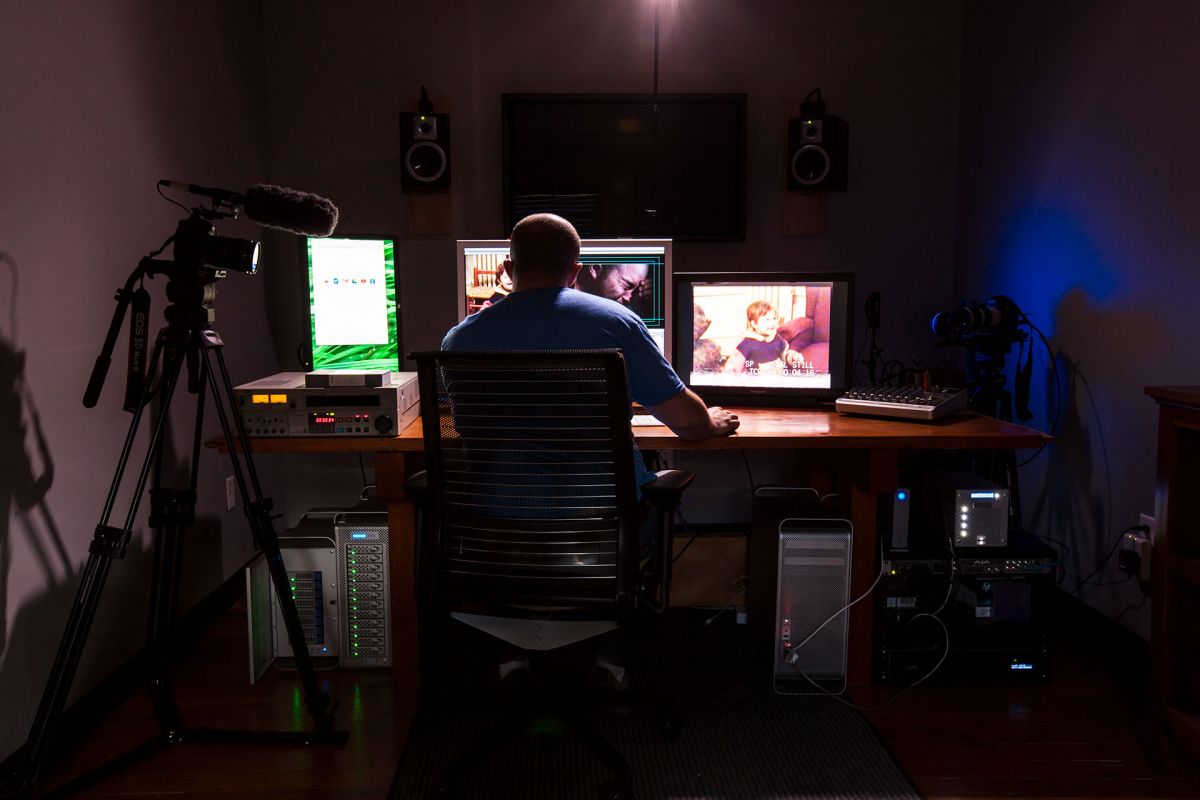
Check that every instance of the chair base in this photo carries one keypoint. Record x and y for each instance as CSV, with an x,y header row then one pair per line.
x,y
529,695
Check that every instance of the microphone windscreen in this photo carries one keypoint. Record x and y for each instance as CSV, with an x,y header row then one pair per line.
x,y
290,210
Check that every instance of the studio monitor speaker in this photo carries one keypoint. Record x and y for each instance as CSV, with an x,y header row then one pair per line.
x,y
425,152
818,149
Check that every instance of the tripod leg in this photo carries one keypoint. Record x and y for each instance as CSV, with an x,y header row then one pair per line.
x,y
107,543
172,511
258,512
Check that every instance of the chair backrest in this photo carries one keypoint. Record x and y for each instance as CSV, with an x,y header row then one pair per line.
x,y
532,495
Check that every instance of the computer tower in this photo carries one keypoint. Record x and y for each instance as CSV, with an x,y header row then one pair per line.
x,y
364,595
309,556
812,592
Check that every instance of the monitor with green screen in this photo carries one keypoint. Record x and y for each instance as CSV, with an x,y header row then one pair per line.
x,y
353,318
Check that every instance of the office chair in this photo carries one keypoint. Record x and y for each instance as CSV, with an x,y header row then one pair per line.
x,y
530,524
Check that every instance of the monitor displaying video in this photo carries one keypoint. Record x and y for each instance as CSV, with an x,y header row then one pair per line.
x,y
633,272
352,302
764,336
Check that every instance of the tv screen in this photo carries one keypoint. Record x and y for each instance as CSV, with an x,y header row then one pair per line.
x,y
628,165
633,272
352,310
764,338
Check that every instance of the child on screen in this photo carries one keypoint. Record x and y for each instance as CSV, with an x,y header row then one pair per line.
x,y
763,350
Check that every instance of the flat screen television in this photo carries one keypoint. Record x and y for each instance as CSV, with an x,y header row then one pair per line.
x,y
764,338
667,165
633,272
353,314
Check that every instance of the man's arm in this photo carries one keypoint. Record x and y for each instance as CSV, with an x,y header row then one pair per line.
x,y
686,415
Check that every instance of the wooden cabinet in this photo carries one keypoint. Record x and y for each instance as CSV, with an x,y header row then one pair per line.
x,y
1175,624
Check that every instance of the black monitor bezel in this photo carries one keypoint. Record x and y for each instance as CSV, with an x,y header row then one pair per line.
x,y
772,396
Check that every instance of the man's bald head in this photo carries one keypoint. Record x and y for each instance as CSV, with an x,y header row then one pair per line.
x,y
543,248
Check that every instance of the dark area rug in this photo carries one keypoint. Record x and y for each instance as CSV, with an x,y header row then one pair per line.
x,y
739,738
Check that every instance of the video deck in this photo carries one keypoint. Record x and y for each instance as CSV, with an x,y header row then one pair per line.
x,y
282,405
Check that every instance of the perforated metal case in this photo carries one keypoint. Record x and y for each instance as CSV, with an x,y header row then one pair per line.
x,y
813,585
980,517
364,591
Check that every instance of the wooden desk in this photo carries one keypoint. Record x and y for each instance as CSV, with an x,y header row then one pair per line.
x,y
868,448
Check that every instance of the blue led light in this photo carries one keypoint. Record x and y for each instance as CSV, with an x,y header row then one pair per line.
x,y
985,495
901,495
358,536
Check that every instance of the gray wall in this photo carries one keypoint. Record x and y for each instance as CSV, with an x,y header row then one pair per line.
x,y
99,101
1078,198
338,77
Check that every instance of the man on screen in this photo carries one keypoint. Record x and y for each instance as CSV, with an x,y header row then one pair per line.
x,y
624,283
544,312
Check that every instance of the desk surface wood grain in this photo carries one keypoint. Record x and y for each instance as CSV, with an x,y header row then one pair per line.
x,y
761,429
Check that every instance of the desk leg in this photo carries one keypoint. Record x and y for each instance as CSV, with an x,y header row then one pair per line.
x,y
389,486
877,471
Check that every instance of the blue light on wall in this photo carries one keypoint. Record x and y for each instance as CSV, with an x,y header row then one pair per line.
x,y
1044,254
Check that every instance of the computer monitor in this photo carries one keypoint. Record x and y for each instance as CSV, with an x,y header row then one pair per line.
x,y
353,317
764,338
634,272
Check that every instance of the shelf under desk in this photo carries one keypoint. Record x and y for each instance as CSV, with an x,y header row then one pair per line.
x,y
869,448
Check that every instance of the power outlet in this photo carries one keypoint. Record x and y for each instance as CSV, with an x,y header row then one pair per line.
x,y
230,493
1148,521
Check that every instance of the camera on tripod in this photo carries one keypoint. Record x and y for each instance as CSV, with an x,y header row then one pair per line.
x,y
988,330
187,342
998,315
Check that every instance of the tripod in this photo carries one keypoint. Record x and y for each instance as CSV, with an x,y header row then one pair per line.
x,y
989,395
187,341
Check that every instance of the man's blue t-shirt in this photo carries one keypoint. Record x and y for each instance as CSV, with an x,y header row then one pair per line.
x,y
568,319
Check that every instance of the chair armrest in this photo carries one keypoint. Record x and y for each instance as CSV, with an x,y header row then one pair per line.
x,y
666,490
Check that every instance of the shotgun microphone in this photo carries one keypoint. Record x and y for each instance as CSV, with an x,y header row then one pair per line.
x,y
273,206
289,210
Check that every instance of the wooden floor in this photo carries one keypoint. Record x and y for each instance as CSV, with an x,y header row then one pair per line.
x,y
1083,736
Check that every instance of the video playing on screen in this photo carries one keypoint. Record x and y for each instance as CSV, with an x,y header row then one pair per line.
x,y
635,273
770,335
352,303
764,337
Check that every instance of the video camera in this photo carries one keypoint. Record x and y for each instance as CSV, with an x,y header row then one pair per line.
x,y
988,330
998,315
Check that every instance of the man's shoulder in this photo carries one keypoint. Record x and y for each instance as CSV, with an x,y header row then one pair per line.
x,y
593,304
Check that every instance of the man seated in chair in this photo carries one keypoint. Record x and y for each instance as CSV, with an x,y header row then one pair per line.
x,y
545,312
